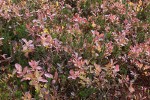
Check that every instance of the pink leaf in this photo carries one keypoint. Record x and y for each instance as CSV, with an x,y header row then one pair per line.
x,y
24,40
73,74
38,67
18,68
48,75
34,64
117,68
25,69
42,80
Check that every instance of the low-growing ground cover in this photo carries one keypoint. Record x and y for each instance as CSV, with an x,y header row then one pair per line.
x,y
74,49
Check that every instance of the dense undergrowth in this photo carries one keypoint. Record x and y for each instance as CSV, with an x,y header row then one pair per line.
x,y
74,49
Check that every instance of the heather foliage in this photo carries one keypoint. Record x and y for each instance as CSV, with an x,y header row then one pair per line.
x,y
74,49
